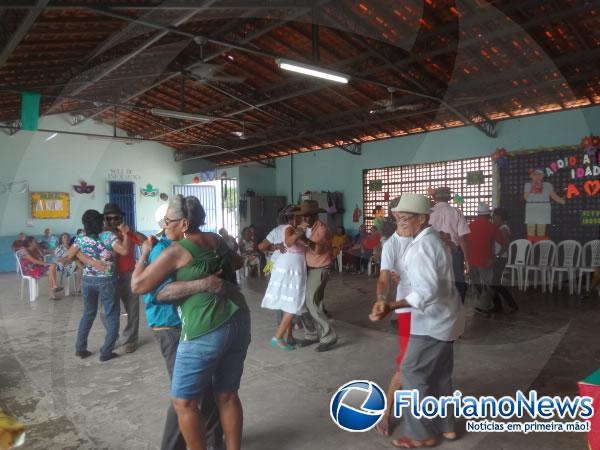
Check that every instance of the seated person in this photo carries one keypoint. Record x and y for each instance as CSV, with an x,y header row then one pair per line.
x,y
340,241
387,229
229,239
66,268
33,265
353,256
20,242
49,241
249,250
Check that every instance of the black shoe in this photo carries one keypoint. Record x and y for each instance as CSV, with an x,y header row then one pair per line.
x,y
325,347
83,354
306,342
108,357
482,313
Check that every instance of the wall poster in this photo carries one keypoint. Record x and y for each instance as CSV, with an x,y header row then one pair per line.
x,y
50,205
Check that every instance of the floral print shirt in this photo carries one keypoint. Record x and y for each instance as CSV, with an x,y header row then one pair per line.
x,y
100,248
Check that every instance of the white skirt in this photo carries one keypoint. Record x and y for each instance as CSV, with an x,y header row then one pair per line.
x,y
287,286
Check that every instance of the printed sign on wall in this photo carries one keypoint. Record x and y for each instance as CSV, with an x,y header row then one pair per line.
x,y
50,205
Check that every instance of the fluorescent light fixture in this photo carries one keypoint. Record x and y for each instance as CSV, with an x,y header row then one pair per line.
x,y
52,136
125,139
180,115
312,71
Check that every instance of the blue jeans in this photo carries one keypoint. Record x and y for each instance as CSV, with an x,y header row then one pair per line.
x,y
216,359
103,289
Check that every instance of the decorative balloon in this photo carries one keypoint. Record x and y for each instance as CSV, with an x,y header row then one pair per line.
x,y
499,157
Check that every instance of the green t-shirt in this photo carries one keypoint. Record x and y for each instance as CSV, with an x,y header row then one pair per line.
x,y
204,312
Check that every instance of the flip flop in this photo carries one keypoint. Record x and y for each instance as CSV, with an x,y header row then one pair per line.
x,y
404,442
383,427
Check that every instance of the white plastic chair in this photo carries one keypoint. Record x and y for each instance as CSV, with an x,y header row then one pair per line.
x,y
591,249
541,258
72,279
32,282
518,254
569,263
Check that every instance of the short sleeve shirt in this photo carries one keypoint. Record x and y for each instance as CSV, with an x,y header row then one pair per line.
x,y
126,263
276,236
392,259
101,249
449,220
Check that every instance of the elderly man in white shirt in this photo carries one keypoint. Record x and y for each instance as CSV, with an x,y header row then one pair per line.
x,y
447,219
437,320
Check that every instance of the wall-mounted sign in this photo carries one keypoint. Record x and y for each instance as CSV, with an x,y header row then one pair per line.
x,y
375,185
122,175
475,177
50,205
590,217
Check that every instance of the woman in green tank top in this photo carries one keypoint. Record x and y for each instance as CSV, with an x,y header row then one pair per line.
x,y
215,330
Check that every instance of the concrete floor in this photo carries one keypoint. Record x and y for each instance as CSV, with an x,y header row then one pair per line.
x,y
68,403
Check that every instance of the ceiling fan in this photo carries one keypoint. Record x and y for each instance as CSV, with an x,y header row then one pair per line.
x,y
388,105
203,73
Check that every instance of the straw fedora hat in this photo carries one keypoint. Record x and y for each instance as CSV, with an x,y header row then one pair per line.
x,y
308,208
413,203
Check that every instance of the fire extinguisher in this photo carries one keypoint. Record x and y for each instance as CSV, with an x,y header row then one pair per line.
x,y
356,214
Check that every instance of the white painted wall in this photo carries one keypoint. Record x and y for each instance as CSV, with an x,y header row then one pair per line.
x,y
60,163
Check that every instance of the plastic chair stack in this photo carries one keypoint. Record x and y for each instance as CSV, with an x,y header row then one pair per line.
x,y
518,256
590,259
541,259
566,260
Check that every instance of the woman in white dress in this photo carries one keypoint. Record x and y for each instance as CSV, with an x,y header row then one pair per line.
x,y
287,285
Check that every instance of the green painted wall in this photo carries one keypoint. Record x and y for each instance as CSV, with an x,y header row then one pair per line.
x,y
336,170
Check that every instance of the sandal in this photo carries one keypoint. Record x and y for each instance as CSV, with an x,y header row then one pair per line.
x,y
280,343
450,435
383,427
404,442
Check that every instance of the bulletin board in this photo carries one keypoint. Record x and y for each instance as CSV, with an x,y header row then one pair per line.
x,y
574,174
50,205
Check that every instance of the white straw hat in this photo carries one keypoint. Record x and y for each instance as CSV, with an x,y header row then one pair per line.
x,y
413,203
483,209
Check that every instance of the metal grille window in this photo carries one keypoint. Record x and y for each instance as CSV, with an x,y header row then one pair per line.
x,y
420,177
207,195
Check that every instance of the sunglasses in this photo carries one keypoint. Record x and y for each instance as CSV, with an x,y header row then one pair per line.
x,y
168,221
113,218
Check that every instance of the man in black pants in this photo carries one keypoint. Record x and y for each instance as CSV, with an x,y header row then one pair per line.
x,y
500,292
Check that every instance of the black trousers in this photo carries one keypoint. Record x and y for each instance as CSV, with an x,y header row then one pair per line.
x,y
500,292
168,340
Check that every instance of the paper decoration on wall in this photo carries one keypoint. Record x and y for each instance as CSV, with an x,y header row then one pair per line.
x,y
50,205
164,197
83,188
375,185
475,177
207,175
149,191
15,187
590,142
537,194
590,217
458,199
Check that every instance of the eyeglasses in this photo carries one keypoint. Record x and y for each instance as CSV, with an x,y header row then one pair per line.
x,y
113,218
405,219
168,221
